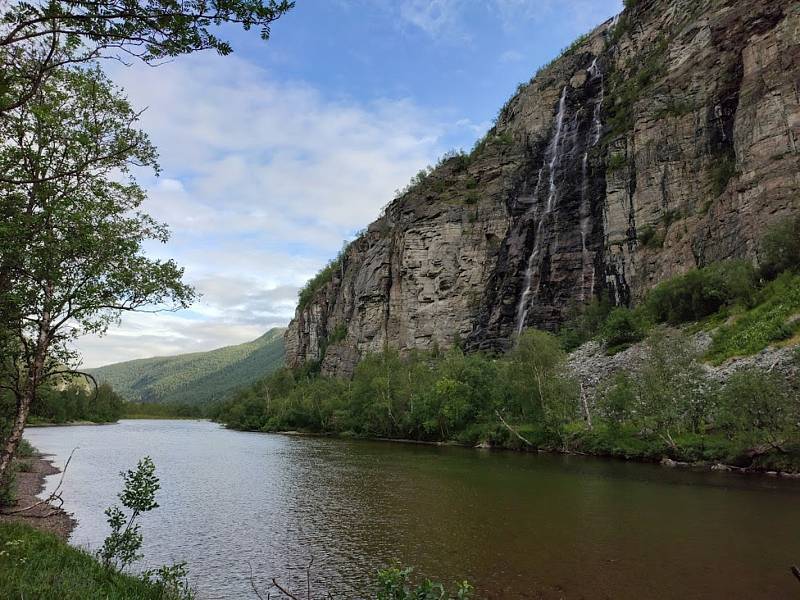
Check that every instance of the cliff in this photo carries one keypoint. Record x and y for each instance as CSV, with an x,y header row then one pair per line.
x,y
665,139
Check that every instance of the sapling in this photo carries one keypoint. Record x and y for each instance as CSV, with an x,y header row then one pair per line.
x,y
121,547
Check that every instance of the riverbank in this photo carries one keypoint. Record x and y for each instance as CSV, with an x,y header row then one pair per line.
x,y
693,452
31,481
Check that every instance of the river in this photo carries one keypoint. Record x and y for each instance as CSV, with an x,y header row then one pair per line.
x,y
516,525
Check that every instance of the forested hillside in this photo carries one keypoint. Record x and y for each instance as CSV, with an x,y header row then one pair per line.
x,y
198,377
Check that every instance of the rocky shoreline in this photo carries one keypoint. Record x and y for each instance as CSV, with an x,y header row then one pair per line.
x,y
31,483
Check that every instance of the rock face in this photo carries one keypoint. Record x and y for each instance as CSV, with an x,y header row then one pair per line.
x,y
666,139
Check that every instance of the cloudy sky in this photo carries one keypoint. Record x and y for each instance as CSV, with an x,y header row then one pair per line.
x,y
274,156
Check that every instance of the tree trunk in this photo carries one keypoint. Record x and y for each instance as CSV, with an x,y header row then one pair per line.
x,y
14,437
26,397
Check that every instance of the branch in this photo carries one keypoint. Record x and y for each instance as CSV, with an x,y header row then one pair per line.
x,y
253,582
76,372
511,429
283,590
796,572
54,495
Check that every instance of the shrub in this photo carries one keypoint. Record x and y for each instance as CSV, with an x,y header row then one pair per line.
x,y
338,334
722,172
650,237
673,395
395,584
8,489
622,328
702,292
768,322
617,401
616,162
583,323
756,408
138,495
780,249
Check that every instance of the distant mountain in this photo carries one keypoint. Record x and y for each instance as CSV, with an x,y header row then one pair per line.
x,y
196,378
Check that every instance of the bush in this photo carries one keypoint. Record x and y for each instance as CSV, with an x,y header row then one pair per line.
x,y
768,322
617,401
702,292
8,489
757,408
673,394
583,323
780,249
721,173
622,328
650,237
394,584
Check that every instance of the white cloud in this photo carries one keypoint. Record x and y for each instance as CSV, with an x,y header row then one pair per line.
x,y
510,56
444,19
261,182
435,17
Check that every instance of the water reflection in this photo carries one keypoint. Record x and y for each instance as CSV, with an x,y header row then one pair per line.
x,y
519,526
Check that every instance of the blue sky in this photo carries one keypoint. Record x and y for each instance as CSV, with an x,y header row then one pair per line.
x,y
275,155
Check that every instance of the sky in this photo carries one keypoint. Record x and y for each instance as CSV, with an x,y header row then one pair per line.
x,y
276,155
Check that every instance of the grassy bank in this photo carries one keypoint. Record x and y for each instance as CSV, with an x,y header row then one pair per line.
x,y
37,565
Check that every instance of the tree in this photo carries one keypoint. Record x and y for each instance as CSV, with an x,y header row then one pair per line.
x,y
671,388
72,258
38,37
780,248
138,495
758,409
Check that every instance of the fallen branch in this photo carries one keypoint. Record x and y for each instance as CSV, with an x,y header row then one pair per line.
x,y
54,495
586,408
511,429
253,583
283,590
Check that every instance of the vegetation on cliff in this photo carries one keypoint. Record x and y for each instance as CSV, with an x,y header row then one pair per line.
x,y
745,307
668,407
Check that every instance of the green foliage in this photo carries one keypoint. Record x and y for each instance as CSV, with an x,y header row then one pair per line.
x,y
671,388
780,249
769,321
583,323
319,281
169,410
171,580
121,547
338,334
193,379
650,237
34,564
8,489
616,162
471,198
757,408
702,292
622,328
617,401
722,171
675,107
628,85
77,403
431,396
395,584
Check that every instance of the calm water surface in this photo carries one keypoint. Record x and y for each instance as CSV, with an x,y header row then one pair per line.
x,y
518,526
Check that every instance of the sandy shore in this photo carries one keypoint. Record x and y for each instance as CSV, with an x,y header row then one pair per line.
x,y
29,485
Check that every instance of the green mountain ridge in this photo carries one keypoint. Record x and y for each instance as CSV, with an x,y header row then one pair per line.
x,y
198,377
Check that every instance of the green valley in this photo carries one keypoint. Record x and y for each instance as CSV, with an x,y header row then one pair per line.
x,y
195,378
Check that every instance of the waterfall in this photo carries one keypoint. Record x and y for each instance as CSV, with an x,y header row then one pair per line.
x,y
554,155
585,211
